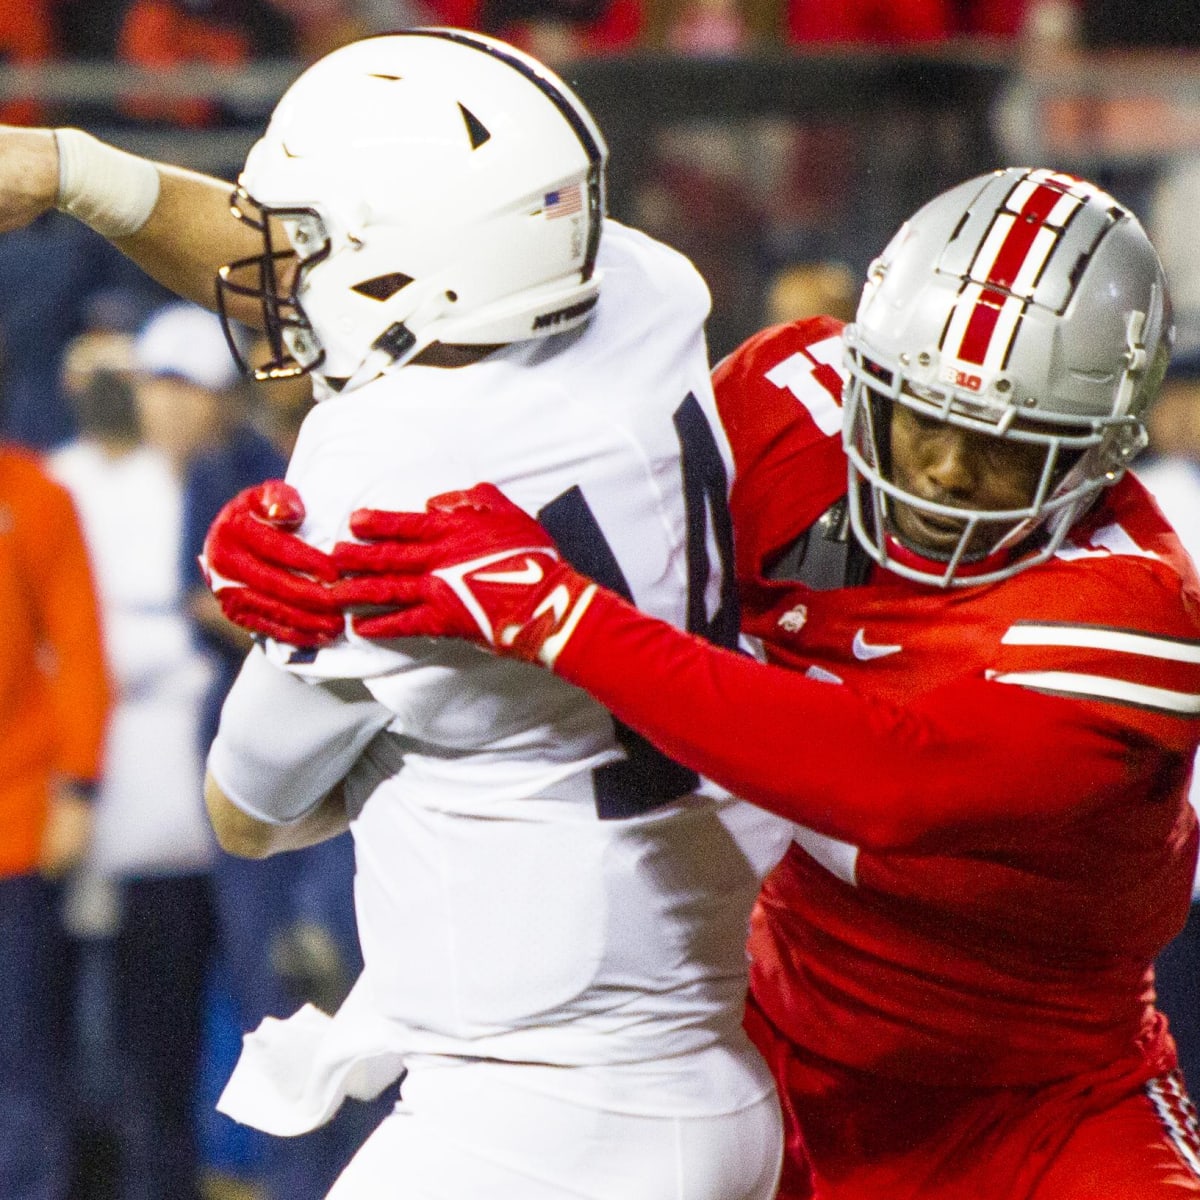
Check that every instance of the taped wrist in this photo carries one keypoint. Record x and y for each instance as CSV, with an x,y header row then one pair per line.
x,y
107,189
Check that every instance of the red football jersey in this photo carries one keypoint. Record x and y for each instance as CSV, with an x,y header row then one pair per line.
x,y
987,913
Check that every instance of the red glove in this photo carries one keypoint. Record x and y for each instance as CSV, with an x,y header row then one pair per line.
x,y
266,579
473,565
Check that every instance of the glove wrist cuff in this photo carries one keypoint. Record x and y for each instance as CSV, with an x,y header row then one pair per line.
x,y
553,619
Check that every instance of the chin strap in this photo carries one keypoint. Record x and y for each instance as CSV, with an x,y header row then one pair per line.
x,y
396,345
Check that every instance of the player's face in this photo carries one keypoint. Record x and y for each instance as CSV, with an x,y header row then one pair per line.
x,y
178,417
957,467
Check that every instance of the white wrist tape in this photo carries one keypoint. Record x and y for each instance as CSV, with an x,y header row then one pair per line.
x,y
106,188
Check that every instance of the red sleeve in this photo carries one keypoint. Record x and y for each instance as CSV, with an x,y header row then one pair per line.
x,y
972,754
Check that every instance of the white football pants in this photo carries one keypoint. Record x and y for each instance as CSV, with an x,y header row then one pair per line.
x,y
473,1133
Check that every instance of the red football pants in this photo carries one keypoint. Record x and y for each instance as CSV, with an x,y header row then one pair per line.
x,y
854,1136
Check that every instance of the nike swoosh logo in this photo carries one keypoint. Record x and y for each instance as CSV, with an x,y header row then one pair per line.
x,y
864,651
531,573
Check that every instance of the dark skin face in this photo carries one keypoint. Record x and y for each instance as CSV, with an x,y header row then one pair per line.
x,y
957,467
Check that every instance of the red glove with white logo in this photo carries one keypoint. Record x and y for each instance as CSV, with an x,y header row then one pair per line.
x,y
266,579
473,565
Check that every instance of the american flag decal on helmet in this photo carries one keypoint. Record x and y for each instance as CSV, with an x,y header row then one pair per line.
x,y
563,202
1006,269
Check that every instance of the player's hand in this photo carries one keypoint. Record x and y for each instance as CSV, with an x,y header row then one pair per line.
x,y
265,578
473,565
28,175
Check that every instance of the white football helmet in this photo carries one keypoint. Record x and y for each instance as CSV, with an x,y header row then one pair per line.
x,y
1026,305
435,186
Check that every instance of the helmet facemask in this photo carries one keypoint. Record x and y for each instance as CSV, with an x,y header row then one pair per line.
x,y
1077,463
272,279
1071,353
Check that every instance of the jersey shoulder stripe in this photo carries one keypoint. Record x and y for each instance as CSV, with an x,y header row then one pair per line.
x,y
1119,632
1145,679
1100,687
1102,637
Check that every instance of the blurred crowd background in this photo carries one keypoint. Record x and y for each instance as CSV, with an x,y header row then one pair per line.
x,y
776,142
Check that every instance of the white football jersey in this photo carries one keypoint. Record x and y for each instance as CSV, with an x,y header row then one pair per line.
x,y
535,883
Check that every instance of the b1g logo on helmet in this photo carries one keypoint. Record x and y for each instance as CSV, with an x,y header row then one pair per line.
x,y
967,380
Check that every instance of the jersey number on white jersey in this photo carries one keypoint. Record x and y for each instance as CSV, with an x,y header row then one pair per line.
x,y
646,777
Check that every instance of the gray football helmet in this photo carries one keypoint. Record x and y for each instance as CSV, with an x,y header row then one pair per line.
x,y
1026,305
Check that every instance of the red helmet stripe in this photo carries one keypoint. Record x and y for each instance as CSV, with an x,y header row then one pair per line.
x,y
1040,203
1016,246
977,336
1011,256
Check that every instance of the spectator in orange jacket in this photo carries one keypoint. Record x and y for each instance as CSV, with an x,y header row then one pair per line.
x,y
54,700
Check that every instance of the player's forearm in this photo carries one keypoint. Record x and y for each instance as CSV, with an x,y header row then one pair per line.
x,y
240,834
190,233
174,223
974,756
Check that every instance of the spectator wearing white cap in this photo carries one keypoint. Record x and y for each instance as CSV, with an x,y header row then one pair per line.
x,y
187,382
148,903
